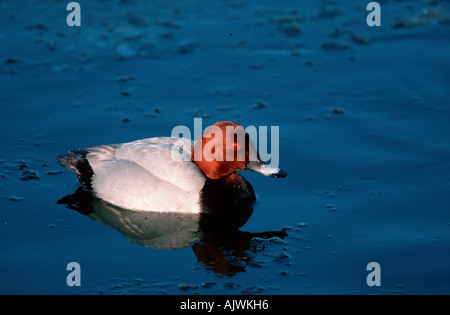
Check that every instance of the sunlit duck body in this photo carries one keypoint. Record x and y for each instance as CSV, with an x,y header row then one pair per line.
x,y
144,175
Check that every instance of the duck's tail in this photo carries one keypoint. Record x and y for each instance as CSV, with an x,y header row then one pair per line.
x,y
77,162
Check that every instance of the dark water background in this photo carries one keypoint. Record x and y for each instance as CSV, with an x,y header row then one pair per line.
x,y
364,136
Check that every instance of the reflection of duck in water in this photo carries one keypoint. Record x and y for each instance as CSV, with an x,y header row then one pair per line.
x,y
215,239
173,174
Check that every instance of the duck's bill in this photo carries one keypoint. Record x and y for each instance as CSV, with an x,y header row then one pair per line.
x,y
265,169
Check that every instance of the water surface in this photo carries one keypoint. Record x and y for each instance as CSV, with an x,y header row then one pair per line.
x,y
363,115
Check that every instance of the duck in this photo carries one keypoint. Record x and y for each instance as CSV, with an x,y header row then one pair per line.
x,y
173,174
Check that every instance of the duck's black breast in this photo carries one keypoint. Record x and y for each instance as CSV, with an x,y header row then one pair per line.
x,y
227,195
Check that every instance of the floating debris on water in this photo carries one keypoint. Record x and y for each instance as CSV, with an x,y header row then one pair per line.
x,y
186,287
288,25
337,111
198,112
427,16
253,290
22,165
225,108
361,40
54,172
11,60
327,12
257,65
138,20
187,46
257,263
238,262
125,78
284,272
29,175
230,285
282,257
15,198
260,105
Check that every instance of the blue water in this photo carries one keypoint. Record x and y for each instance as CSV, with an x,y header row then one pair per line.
x,y
364,137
